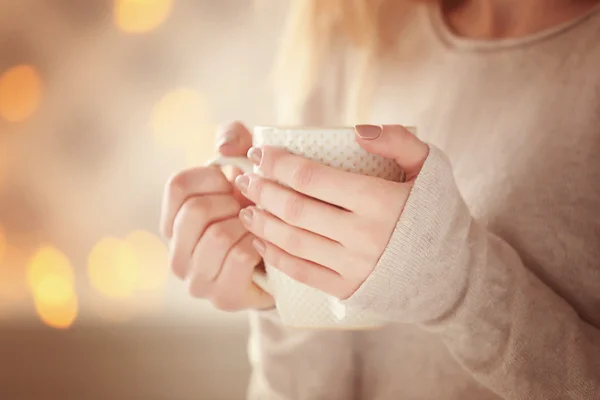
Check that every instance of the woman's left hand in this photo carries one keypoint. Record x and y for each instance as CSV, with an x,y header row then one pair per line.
x,y
328,227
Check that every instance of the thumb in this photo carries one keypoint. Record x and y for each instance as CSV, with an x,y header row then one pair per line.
x,y
233,139
395,142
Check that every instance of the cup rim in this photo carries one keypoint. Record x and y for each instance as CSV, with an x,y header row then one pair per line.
x,y
261,128
302,128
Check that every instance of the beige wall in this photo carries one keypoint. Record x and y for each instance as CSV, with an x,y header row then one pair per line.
x,y
88,164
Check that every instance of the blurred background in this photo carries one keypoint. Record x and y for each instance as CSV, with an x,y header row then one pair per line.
x,y
100,101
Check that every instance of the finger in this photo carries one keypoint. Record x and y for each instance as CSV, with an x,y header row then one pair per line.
x,y
295,241
295,208
331,185
210,253
233,139
186,184
303,271
237,194
234,288
194,217
395,142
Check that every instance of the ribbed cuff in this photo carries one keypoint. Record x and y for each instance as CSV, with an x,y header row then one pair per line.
x,y
422,272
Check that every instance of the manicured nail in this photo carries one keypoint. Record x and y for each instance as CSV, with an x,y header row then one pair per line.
x,y
259,246
246,215
368,132
255,155
242,182
227,138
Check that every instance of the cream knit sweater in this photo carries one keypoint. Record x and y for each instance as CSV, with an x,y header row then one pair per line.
x,y
491,280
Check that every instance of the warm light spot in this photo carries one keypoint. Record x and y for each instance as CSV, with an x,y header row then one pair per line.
x,y
57,315
152,255
180,118
20,93
141,16
114,268
200,149
52,282
54,290
48,262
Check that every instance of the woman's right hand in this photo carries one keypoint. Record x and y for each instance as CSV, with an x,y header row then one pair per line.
x,y
209,247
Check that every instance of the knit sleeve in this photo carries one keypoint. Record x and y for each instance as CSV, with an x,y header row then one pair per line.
x,y
446,272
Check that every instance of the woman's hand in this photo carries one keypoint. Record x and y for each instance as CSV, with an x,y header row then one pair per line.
x,y
330,227
209,246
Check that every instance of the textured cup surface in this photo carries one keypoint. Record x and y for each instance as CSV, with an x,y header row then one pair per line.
x,y
300,305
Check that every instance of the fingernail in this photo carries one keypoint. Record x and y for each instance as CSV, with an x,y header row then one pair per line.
x,y
368,132
246,215
255,155
227,138
259,246
242,182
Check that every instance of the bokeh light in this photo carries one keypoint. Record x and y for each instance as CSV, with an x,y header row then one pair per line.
x,y
200,149
141,16
52,282
58,315
130,274
182,120
20,93
54,290
49,261
179,116
152,255
114,268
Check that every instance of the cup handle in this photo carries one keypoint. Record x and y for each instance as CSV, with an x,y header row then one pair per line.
x,y
260,278
242,163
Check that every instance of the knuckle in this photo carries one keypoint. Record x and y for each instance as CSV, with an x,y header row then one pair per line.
x,y
242,257
226,203
302,175
178,181
273,257
369,188
364,189
295,271
197,208
260,224
293,208
186,180
291,241
257,188
177,264
197,288
218,235
392,194
226,302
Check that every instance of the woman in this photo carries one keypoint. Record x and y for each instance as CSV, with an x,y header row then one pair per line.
x,y
486,262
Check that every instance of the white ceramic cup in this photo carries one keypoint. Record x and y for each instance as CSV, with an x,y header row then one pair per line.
x,y
299,305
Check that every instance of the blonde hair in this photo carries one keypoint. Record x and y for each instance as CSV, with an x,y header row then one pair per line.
x,y
314,28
